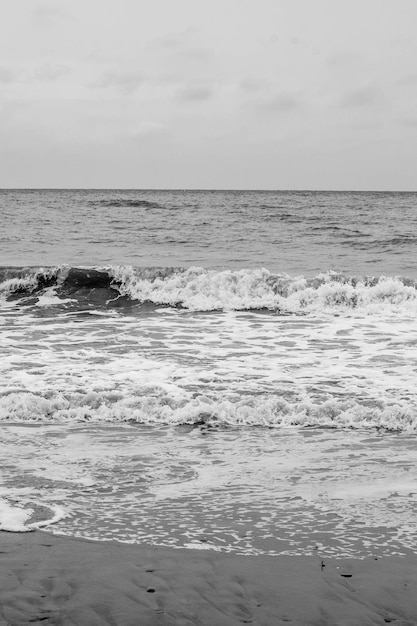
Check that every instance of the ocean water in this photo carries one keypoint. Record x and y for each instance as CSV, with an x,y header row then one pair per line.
x,y
232,371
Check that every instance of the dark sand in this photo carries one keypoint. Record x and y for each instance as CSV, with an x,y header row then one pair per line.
x,y
53,580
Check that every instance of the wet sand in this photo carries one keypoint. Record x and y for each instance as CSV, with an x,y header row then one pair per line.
x,y
55,580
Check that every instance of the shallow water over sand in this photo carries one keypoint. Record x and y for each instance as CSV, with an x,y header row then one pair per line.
x,y
169,366
237,490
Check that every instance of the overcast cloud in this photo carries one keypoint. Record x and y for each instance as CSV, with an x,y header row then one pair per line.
x,y
272,94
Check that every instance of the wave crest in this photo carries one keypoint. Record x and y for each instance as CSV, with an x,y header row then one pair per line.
x,y
207,290
198,289
155,406
14,281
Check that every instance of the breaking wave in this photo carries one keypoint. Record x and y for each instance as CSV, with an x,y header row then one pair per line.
x,y
199,289
157,407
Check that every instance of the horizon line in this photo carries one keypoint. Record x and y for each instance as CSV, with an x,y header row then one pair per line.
x,y
209,189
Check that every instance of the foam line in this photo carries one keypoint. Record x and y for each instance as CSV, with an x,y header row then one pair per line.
x,y
262,411
15,517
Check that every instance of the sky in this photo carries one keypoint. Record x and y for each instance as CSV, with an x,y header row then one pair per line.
x,y
206,94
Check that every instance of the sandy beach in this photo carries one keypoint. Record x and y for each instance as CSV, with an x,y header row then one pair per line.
x,y
208,313
57,580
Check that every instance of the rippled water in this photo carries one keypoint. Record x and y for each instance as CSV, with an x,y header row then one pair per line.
x,y
241,491
294,232
223,406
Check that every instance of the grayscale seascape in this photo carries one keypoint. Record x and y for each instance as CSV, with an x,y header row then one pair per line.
x,y
208,305
242,383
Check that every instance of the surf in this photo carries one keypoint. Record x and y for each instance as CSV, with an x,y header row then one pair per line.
x,y
200,289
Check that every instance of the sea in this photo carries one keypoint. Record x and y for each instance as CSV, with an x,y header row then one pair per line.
x,y
218,370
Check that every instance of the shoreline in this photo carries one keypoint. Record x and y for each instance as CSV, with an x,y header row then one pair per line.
x,y
51,579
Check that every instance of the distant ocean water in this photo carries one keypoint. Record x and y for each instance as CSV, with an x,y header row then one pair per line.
x,y
225,370
299,233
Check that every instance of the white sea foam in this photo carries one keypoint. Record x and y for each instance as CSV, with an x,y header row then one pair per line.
x,y
57,514
13,285
26,280
198,289
226,368
15,517
49,297
160,408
